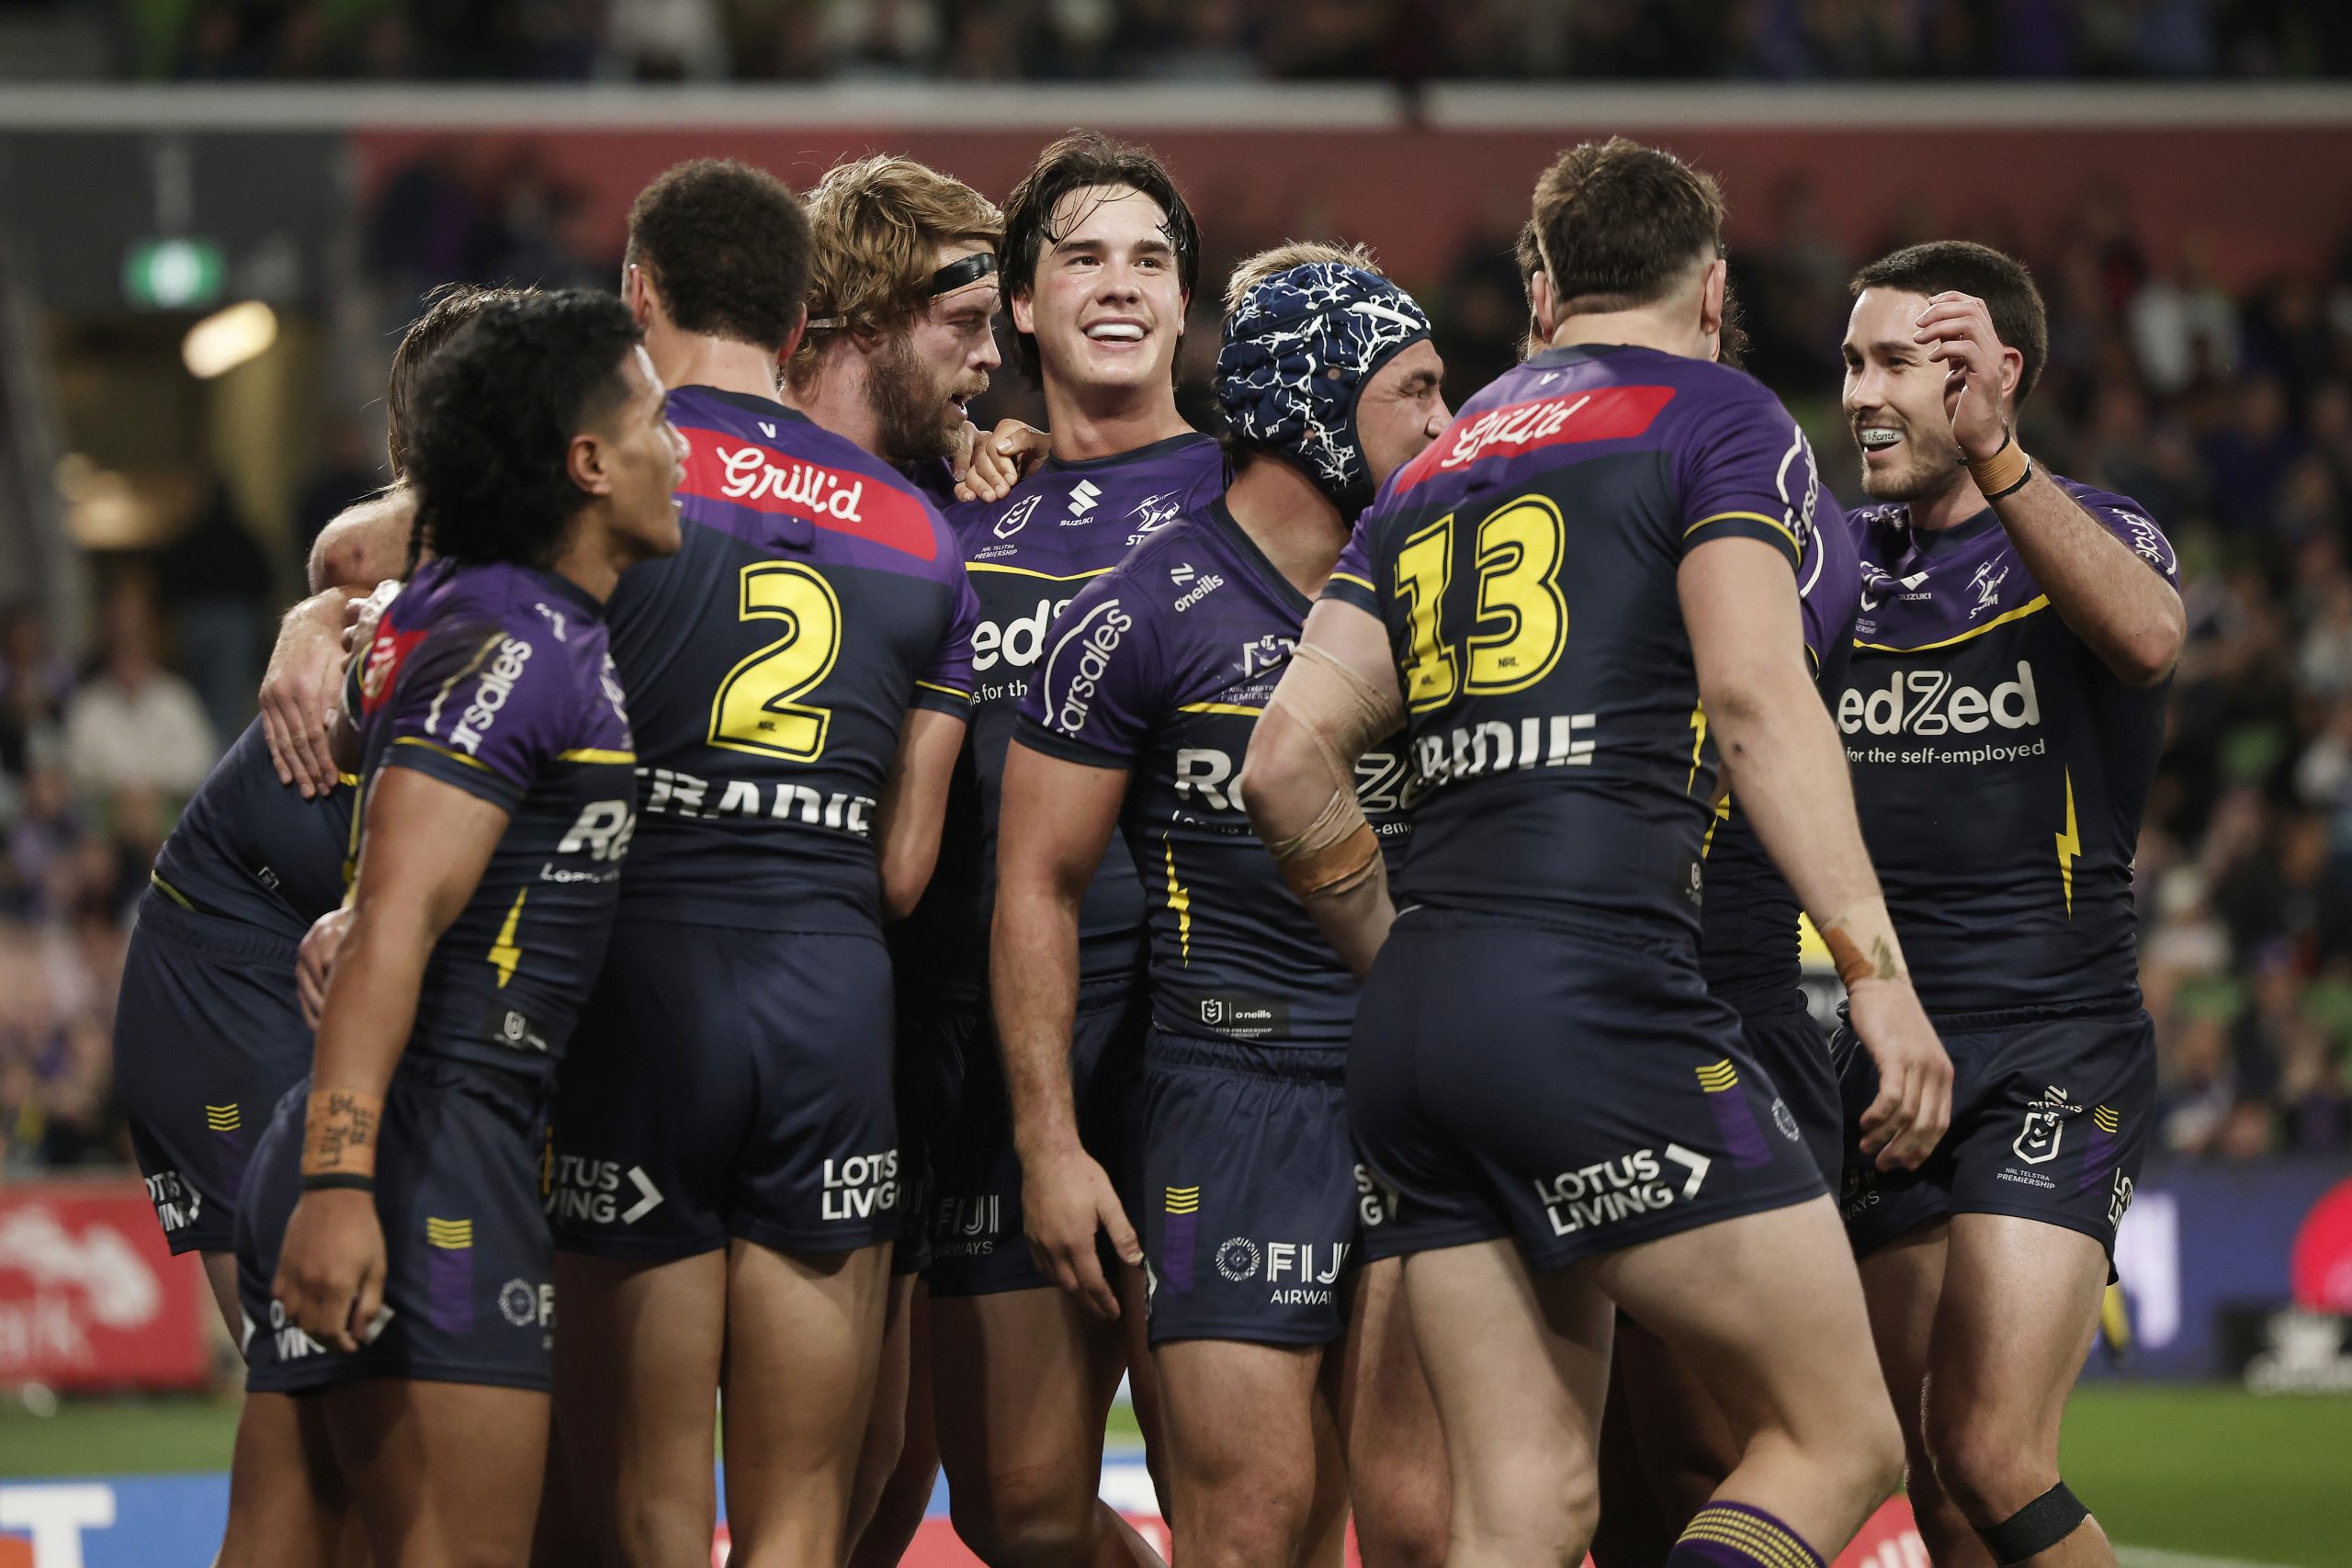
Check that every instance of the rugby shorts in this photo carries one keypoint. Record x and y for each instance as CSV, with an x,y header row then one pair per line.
x,y
467,1276
208,1036
2050,1115
727,1083
1793,1051
1250,1228
1578,1094
977,1245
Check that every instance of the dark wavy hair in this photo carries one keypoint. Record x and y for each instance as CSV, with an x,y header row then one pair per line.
x,y
1080,159
492,419
729,248
1961,265
447,307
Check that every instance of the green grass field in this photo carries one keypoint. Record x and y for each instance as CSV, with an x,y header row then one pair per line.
x,y
2208,1471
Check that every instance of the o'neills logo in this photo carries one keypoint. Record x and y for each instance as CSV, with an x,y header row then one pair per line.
x,y
1076,666
751,477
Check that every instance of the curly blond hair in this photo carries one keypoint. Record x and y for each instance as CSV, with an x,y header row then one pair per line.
x,y
879,223
1251,271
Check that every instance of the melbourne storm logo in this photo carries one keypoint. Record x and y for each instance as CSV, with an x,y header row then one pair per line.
x,y
1154,513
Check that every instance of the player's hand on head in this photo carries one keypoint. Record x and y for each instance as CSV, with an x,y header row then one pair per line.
x,y
331,1268
300,690
1958,332
1066,1200
1905,1123
1001,459
316,962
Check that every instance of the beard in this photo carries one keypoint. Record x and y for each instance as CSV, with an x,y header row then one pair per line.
x,y
913,419
1931,465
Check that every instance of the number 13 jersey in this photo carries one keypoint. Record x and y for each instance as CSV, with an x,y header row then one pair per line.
x,y
817,597
1525,569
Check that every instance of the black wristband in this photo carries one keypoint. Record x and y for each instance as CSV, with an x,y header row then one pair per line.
x,y
328,1180
2026,480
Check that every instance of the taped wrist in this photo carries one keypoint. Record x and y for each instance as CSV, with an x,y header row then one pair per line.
x,y
1341,713
2004,472
2036,1527
339,1133
1861,944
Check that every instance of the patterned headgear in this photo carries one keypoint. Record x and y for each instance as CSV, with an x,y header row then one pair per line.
x,y
1298,351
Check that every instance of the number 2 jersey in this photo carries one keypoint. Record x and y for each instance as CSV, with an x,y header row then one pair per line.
x,y
1525,567
497,680
1162,667
771,662
1999,767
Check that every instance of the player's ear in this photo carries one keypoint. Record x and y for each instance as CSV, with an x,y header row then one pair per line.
x,y
1023,306
1538,300
792,339
2012,375
587,463
1710,298
636,290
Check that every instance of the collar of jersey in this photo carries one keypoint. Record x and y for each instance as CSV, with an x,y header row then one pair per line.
x,y
1222,519
557,583
766,408
1133,455
1939,542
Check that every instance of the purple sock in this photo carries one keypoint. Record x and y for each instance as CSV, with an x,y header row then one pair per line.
x,y
1739,1535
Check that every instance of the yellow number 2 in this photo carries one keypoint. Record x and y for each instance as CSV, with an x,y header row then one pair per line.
x,y
1521,547
756,709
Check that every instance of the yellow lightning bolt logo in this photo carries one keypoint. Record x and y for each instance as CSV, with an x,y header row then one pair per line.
x,y
2070,848
1180,902
503,953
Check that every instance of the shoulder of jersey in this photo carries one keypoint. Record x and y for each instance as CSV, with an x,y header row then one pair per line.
x,y
1051,498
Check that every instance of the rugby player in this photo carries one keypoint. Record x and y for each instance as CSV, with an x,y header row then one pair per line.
x,y
393,1257
2003,715
1139,720
1576,601
1665,1447
1100,259
725,1160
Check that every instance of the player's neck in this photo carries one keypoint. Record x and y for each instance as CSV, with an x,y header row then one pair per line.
x,y
1293,522
1087,422
593,557
834,398
684,359
1630,329
1948,508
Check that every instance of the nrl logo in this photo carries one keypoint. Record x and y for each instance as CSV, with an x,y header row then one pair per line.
x,y
1014,520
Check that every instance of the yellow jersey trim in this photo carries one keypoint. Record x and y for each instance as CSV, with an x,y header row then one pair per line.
x,y
174,894
595,754
1772,523
1351,577
1025,572
2020,613
436,746
935,686
1244,709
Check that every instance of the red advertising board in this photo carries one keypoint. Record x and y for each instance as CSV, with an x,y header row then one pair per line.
x,y
90,1296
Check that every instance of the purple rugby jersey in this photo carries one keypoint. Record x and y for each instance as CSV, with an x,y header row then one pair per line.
x,y
1161,667
1026,557
497,680
1524,567
818,596
2000,766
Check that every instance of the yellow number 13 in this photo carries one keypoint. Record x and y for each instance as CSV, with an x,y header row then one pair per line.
x,y
1520,551
757,708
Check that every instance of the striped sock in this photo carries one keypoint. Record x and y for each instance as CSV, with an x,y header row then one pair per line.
x,y
1738,1535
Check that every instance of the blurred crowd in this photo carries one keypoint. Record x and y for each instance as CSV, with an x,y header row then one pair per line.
x,y
1402,40
2227,413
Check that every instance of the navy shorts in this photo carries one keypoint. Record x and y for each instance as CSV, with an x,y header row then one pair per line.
x,y
727,1083
1579,1094
935,1042
978,1247
1793,1051
1250,1221
208,1036
466,1252
2050,1114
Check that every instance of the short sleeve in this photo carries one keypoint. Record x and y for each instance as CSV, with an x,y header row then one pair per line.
x,y
1091,700
1829,580
479,705
1745,471
1352,582
2124,519
944,685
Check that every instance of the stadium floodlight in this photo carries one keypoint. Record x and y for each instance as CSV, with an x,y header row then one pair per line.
x,y
227,338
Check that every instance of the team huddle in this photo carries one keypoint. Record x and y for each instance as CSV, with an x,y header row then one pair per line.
x,y
896,929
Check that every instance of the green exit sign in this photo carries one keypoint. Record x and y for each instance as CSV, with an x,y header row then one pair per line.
x,y
173,274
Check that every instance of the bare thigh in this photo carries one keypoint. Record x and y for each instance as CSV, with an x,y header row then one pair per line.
x,y
804,1350
1241,1450
1518,1368
286,1500
444,1474
1389,1425
637,1367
